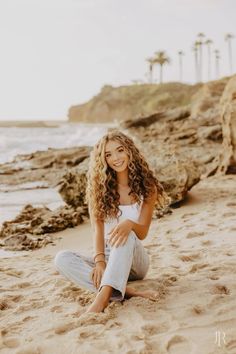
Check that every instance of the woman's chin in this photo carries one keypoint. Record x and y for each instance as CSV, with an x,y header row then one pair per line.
x,y
120,169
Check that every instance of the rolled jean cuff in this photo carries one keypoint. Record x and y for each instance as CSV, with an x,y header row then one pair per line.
x,y
116,288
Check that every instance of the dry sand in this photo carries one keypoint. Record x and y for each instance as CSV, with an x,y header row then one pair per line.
x,y
193,266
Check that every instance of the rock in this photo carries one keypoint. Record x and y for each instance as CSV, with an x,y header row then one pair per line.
x,y
72,186
25,242
227,158
48,166
169,115
205,102
212,133
22,232
177,174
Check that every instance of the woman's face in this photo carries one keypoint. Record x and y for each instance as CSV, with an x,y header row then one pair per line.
x,y
116,156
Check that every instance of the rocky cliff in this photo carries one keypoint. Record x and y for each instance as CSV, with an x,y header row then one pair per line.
x,y
129,102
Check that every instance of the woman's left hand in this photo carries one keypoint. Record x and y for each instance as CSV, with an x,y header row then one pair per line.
x,y
119,234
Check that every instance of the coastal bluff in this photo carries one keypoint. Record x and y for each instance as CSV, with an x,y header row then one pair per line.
x,y
131,101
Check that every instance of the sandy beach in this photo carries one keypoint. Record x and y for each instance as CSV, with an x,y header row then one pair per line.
x,y
193,259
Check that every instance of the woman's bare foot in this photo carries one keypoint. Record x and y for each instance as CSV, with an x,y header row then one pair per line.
x,y
101,301
148,294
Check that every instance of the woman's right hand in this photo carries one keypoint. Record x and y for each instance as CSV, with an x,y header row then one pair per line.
x,y
97,273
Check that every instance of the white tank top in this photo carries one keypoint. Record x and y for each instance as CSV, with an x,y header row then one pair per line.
x,y
130,211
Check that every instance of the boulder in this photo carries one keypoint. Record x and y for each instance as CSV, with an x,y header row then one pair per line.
x,y
227,158
23,232
176,173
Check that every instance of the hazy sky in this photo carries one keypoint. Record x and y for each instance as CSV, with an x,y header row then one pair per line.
x,y
57,53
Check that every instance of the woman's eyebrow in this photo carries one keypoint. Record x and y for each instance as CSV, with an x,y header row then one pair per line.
x,y
115,149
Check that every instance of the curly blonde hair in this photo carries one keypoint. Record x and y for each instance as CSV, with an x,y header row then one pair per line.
x,y
102,188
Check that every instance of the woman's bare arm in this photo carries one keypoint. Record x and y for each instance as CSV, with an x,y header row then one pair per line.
x,y
98,234
98,237
142,226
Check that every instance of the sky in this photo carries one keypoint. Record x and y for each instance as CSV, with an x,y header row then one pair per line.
x,y
59,53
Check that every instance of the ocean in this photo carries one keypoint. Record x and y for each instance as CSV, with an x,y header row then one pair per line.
x,y
24,140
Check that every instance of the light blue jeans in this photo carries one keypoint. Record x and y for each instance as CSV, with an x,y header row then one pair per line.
x,y
124,263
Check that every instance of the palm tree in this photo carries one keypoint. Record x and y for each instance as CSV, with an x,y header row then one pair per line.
x,y
180,53
200,43
217,62
151,64
196,61
208,43
228,38
161,58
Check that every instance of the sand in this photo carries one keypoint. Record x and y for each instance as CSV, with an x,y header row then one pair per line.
x,y
193,267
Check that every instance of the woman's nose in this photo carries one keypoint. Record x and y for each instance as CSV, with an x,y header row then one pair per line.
x,y
115,157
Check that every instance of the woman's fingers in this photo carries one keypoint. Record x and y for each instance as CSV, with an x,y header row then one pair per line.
x,y
112,231
113,236
97,278
113,239
120,241
92,274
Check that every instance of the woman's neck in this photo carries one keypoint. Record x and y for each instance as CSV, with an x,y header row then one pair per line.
x,y
123,179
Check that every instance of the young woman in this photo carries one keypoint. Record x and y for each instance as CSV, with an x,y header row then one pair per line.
x,y
121,193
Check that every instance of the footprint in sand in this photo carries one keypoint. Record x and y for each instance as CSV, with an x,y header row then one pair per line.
x,y
95,332
231,204
178,345
65,327
190,257
229,253
220,289
21,285
90,318
198,309
56,308
4,305
187,215
197,267
174,245
11,342
152,330
193,234
206,242
231,346
229,214
12,272
214,277
7,301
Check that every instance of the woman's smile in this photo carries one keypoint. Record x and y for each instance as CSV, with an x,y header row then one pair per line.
x,y
118,164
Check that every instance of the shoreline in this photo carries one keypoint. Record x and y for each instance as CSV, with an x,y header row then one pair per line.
x,y
49,123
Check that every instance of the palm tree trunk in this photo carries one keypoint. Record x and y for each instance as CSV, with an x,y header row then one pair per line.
x,y
200,62
230,56
180,68
217,68
209,61
161,73
150,73
196,64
